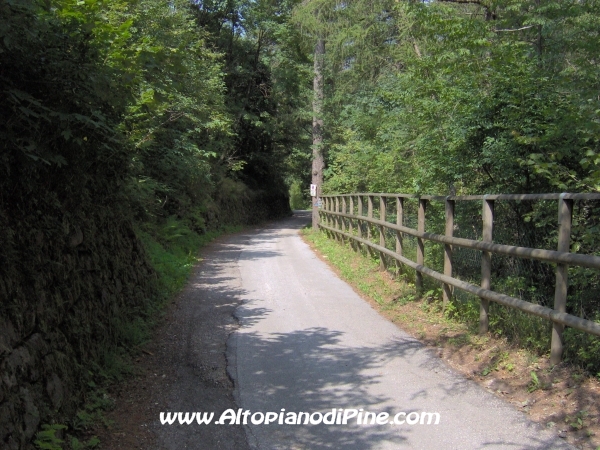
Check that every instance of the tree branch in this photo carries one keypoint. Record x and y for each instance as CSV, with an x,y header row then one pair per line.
x,y
471,2
517,29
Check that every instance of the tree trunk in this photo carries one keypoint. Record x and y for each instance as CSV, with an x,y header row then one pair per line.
x,y
318,162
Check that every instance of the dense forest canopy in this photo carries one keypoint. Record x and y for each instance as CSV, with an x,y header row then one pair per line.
x,y
419,96
466,95
190,93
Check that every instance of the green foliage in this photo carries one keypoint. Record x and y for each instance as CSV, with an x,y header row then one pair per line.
x,y
47,439
297,196
403,300
177,115
427,97
266,71
54,86
172,252
498,360
534,383
577,421
97,402
186,117
172,248
583,349
92,442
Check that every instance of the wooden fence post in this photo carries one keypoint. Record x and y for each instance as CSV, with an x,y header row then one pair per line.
x,y
331,222
382,216
337,218
486,263
420,245
399,221
449,232
369,215
351,212
350,224
359,224
565,214
344,211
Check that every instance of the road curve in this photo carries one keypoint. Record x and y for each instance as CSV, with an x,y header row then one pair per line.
x,y
308,343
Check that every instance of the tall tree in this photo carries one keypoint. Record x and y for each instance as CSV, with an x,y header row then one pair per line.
x,y
318,161
314,19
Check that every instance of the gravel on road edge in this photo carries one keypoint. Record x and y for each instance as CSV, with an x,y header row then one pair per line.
x,y
184,367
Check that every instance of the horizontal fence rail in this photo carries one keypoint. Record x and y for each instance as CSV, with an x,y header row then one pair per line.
x,y
566,196
336,219
551,256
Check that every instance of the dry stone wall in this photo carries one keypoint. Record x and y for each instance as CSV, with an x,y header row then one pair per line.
x,y
69,275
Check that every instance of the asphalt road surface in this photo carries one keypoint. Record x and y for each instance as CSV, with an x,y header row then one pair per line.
x,y
308,343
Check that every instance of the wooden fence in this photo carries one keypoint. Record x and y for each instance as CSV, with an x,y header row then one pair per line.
x,y
337,216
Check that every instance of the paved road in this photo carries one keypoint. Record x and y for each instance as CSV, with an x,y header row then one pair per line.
x,y
308,343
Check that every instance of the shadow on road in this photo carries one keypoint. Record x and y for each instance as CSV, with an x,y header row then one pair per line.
x,y
315,370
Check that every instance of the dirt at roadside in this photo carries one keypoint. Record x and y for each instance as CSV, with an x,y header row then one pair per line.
x,y
183,368
561,398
